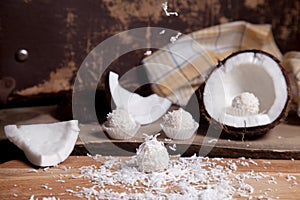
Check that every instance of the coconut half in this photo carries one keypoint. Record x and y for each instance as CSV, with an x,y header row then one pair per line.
x,y
248,93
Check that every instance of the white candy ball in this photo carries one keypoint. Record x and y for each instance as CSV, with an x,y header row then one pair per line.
x,y
152,155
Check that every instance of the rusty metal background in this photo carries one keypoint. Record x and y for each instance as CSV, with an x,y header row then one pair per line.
x,y
59,34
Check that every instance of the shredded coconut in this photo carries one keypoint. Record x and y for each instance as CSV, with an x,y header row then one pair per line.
x,y
173,147
148,53
219,191
173,39
45,169
162,32
291,178
120,118
212,141
253,162
185,178
50,198
165,8
32,171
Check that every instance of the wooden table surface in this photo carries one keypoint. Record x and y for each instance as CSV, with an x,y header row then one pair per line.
x,y
281,143
19,180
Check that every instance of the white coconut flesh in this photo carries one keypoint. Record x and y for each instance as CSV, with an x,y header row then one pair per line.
x,y
254,73
44,144
144,110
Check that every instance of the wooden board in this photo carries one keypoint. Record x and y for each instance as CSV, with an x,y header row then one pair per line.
x,y
19,180
281,142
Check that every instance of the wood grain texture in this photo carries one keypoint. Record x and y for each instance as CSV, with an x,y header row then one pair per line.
x,y
18,180
281,143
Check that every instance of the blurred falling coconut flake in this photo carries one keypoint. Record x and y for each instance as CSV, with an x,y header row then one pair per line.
x,y
165,8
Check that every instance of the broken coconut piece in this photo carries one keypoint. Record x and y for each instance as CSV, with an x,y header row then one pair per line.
x,y
152,155
44,144
247,93
144,110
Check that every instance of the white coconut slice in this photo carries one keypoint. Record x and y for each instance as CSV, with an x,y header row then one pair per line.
x,y
144,110
247,92
44,144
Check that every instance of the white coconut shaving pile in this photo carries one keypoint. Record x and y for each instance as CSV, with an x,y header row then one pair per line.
x,y
179,119
185,178
120,118
44,198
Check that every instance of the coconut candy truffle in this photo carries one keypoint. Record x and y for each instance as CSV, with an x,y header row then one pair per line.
x,y
152,155
179,124
120,124
120,118
178,119
244,104
254,84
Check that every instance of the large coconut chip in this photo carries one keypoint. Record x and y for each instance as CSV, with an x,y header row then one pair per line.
x,y
44,144
144,110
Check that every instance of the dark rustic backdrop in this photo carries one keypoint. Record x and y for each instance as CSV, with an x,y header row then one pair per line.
x,y
59,34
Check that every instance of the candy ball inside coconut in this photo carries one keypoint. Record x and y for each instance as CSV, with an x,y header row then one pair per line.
x,y
244,104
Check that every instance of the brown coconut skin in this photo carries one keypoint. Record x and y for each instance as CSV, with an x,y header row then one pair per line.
x,y
251,132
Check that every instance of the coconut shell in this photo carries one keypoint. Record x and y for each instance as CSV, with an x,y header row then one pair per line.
x,y
246,132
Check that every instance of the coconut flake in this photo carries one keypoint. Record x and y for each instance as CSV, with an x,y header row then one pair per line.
x,y
253,162
173,39
290,178
32,171
165,8
162,32
173,147
218,192
148,53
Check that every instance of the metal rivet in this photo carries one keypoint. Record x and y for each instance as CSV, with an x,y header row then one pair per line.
x,y
22,55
